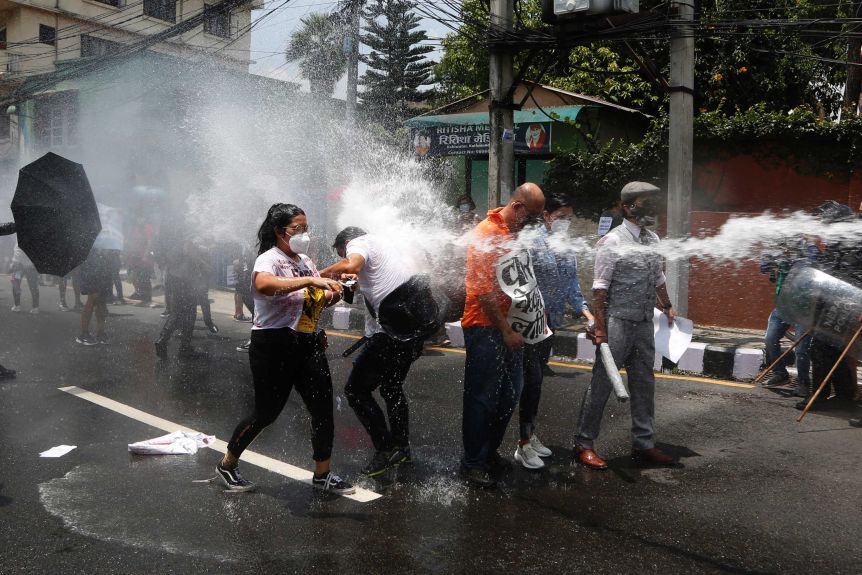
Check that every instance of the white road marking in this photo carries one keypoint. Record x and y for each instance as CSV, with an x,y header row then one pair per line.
x,y
248,456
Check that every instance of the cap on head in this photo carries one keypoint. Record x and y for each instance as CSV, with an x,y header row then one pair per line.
x,y
633,190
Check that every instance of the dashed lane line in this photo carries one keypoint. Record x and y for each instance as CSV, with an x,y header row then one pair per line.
x,y
588,367
248,456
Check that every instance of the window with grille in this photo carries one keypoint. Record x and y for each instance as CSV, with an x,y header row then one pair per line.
x,y
217,21
162,9
56,120
47,34
92,46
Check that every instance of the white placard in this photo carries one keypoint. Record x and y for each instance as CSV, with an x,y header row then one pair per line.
x,y
605,224
671,342
518,281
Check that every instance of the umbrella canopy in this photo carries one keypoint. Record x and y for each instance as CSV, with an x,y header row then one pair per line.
x,y
56,217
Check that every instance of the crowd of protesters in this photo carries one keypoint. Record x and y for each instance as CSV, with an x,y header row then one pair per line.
x,y
508,281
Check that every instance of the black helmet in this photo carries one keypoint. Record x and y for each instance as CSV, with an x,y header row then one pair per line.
x,y
832,211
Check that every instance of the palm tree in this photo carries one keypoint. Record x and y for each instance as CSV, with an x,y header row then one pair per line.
x,y
318,47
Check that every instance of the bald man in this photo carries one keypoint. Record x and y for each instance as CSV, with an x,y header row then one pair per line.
x,y
493,372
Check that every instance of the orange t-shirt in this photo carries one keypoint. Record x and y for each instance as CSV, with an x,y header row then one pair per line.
x,y
484,252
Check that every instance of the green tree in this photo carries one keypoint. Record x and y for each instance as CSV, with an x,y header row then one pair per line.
x,y
397,66
737,65
317,46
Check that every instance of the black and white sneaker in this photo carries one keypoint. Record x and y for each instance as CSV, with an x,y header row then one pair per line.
x,y
86,339
233,480
332,483
380,463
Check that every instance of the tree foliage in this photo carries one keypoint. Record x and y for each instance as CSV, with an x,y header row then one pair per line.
x,y
735,68
318,47
397,66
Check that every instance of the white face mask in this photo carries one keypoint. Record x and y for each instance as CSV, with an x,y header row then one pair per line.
x,y
560,226
299,243
465,208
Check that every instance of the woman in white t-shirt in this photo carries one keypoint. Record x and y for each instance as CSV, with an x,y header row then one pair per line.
x,y
287,350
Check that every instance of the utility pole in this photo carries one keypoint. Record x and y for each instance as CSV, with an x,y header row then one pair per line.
x,y
501,155
352,49
681,146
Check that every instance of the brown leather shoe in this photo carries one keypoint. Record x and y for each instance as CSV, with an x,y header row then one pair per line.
x,y
652,456
589,458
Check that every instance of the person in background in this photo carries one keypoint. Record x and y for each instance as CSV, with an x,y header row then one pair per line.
x,y
139,256
182,271
115,263
242,267
96,285
23,268
6,229
777,266
467,217
75,277
628,280
288,350
494,370
841,259
557,273
203,269
610,218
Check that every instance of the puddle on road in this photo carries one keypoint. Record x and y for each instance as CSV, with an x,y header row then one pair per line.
x,y
142,519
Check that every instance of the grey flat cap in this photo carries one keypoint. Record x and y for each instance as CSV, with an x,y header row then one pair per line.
x,y
634,189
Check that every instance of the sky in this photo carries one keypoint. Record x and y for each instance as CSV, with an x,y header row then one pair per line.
x,y
270,37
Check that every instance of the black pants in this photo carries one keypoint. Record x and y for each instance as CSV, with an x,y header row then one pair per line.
x,y
282,359
114,266
823,357
203,300
184,308
384,363
535,357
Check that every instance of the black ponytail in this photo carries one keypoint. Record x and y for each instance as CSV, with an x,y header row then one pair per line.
x,y
278,216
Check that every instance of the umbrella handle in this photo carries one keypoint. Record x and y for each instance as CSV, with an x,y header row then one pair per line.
x,y
7,229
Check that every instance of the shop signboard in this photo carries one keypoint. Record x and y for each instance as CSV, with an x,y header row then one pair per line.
x,y
532,138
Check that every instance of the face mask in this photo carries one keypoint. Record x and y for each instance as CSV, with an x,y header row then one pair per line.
x,y
646,214
299,243
465,208
560,226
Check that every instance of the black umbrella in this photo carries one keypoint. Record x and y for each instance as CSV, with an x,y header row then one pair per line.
x,y
55,214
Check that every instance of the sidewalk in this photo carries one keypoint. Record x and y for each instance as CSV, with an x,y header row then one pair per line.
x,y
724,353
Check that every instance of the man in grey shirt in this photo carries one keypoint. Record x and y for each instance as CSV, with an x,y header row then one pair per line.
x,y
628,279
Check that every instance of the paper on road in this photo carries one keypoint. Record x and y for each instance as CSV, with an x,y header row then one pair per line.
x,y
176,443
58,451
671,342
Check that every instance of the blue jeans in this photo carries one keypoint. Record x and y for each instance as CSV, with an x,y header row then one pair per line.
x,y
493,378
775,330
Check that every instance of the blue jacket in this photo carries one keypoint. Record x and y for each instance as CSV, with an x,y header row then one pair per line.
x,y
558,280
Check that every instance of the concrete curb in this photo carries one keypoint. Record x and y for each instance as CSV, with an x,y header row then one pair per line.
x,y
721,362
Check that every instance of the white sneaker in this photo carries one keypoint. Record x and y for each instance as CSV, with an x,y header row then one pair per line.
x,y
527,456
35,311
539,447
63,307
16,308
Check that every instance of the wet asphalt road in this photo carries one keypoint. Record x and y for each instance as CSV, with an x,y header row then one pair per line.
x,y
755,493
